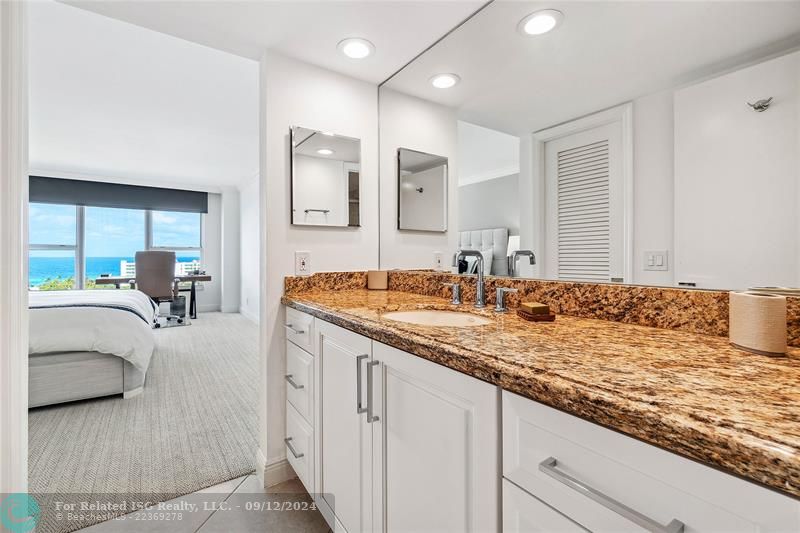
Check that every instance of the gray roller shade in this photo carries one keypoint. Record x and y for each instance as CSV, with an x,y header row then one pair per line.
x,y
92,193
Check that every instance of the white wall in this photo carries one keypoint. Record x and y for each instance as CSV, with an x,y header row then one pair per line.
x,y
409,122
653,185
249,248
296,93
320,183
209,294
424,210
736,178
231,255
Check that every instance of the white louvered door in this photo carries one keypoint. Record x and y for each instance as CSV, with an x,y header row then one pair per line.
x,y
584,206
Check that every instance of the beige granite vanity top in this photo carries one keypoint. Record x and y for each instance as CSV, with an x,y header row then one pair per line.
x,y
688,393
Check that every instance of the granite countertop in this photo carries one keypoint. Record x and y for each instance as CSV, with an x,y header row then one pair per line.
x,y
690,394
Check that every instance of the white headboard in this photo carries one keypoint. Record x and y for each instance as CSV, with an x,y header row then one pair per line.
x,y
481,239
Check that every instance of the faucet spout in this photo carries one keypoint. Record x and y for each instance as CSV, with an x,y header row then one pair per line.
x,y
480,289
512,260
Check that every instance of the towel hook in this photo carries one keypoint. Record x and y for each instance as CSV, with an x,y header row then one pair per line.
x,y
761,105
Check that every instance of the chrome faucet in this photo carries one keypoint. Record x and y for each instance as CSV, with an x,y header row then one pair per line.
x,y
512,260
480,289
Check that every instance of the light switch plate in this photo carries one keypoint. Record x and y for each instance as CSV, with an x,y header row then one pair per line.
x,y
656,260
302,263
437,261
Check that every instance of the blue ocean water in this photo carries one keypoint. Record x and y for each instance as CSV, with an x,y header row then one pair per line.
x,y
42,268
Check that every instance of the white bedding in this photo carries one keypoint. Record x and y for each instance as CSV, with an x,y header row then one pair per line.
x,y
117,322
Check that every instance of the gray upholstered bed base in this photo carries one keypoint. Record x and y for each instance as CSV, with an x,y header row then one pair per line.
x,y
66,377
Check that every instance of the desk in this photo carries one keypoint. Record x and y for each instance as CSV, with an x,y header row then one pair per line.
x,y
118,281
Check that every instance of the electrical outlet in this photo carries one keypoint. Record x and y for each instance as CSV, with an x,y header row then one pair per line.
x,y
656,260
302,263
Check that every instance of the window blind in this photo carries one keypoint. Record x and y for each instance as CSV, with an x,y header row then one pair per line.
x,y
584,214
49,190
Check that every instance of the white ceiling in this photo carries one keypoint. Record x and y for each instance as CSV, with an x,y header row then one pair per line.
x,y
110,99
305,30
603,54
344,148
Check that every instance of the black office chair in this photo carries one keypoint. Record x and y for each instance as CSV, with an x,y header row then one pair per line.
x,y
155,276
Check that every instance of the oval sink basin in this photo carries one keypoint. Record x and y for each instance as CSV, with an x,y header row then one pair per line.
x,y
438,318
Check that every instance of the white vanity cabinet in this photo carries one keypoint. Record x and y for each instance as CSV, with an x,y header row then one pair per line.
x,y
404,444
603,481
436,446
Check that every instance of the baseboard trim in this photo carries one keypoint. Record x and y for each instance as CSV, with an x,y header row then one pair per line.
x,y
248,315
278,472
261,467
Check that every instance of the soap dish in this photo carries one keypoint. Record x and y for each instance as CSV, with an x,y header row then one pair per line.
x,y
550,317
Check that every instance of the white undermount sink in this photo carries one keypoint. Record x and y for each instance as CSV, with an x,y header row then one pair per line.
x,y
438,318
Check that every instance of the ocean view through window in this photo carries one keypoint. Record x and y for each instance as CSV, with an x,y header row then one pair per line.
x,y
60,258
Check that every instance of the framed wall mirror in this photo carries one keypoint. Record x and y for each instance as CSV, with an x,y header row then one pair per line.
x,y
421,191
325,178
633,142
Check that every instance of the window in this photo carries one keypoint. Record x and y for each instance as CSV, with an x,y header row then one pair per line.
x,y
70,246
181,233
113,236
53,251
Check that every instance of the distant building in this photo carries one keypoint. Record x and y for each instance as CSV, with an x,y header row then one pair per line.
x,y
127,269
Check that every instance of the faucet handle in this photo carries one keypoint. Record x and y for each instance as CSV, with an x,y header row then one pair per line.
x,y
500,303
456,290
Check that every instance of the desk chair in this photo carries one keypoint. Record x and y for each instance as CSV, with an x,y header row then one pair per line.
x,y
155,276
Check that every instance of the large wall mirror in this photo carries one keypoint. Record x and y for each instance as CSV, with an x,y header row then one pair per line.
x,y
326,178
651,143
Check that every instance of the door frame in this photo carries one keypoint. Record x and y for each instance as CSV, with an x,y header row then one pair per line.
x,y
13,247
622,114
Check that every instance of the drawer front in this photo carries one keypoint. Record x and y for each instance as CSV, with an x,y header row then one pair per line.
x,y
300,447
299,379
300,329
522,513
657,485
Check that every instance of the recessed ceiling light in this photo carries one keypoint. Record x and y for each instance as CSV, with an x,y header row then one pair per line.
x,y
324,151
540,22
445,81
356,48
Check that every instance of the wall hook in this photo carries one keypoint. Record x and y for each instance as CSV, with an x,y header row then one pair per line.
x,y
761,105
419,190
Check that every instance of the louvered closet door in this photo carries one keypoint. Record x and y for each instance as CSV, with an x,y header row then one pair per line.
x,y
583,189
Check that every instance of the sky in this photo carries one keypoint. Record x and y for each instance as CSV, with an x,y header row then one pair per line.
x,y
111,232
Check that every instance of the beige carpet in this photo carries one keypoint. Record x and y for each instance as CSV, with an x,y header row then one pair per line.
x,y
195,425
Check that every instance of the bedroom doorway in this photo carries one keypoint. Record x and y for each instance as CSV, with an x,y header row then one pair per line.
x,y
194,423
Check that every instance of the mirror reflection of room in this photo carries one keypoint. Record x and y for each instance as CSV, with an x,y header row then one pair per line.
x,y
325,178
649,170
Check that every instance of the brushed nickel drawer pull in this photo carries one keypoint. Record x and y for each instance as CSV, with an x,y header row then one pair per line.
x,y
548,466
359,408
292,382
295,330
370,417
288,441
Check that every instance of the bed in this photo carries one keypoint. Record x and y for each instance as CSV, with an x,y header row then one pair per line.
x,y
87,344
495,239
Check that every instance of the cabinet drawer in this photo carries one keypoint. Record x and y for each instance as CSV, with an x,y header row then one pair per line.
x,y
658,485
300,329
299,378
522,513
300,447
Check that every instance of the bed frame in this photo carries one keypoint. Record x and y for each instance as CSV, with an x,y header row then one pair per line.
x,y
66,377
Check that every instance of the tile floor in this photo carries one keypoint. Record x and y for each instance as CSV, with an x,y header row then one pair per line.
x,y
227,508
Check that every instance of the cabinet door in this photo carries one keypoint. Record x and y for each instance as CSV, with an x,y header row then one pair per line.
x,y
436,447
345,477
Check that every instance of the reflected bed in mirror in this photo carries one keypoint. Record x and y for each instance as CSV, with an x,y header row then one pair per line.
x,y
421,191
326,178
666,152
